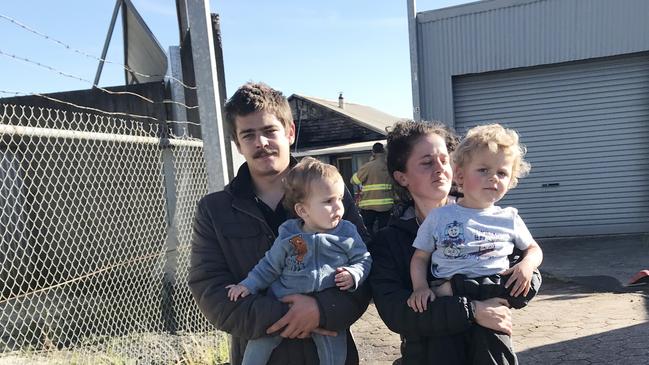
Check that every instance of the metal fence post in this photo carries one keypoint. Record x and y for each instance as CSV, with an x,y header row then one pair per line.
x,y
177,90
178,113
209,108
220,72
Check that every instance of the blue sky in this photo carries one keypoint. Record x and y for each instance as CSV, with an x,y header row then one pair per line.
x,y
314,48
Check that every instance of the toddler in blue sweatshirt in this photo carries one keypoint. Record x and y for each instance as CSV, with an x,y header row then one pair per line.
x,y
319,250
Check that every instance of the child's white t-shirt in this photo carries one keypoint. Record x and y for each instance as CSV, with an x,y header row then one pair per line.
x,y
473,242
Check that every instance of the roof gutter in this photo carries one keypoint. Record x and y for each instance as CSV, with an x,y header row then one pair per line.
x,y
414,59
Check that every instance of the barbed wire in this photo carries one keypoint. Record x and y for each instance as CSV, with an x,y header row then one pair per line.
x,y
74,76
65,74
182,122
127,115
79,106
67,46
79,78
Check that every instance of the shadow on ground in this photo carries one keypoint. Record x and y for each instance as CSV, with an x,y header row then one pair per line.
x,y
583,286
626,345
623,346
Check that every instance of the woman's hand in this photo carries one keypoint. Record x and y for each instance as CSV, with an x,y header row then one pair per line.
x,y
419,299
494,314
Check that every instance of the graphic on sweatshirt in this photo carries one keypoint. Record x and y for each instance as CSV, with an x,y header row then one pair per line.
x,y
453,238
296,259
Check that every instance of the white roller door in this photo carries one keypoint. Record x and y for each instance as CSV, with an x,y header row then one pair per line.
x,y
586,126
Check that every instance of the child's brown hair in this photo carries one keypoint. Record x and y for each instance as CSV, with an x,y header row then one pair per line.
x,y
298,180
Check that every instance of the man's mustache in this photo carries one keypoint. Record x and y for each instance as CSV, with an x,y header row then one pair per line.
x,y
265,152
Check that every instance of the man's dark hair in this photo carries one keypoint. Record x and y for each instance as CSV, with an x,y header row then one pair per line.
x,y
378,148
253,97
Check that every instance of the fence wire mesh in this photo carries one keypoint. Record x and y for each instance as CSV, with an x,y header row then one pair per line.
x,y
95,229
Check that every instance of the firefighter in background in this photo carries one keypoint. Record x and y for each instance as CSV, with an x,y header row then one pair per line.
x,y
376,194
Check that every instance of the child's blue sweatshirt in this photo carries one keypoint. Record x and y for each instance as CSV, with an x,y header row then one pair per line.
x,y
300,262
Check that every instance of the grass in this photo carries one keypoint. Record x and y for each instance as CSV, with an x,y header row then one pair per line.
x,y
159,349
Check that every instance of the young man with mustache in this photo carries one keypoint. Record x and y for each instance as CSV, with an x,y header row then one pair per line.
x,y
235,227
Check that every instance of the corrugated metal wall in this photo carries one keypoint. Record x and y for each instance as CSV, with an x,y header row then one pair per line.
x,y
505,34
586,125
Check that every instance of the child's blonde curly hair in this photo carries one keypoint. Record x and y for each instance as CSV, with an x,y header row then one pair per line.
x,y
494,138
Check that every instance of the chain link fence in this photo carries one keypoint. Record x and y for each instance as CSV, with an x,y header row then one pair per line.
x,y
95,229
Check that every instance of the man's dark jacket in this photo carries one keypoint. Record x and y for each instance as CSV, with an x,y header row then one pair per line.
x,y
230,237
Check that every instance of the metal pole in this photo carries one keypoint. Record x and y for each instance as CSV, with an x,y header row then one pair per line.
x,y
181,11
118,3
220,72
178,113
414,59
172,242
209,107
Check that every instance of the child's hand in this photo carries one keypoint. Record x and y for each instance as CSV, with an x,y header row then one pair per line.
x,y
344,280
419,299
237,291
520,279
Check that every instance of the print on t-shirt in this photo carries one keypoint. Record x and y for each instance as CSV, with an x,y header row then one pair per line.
x,y
453,237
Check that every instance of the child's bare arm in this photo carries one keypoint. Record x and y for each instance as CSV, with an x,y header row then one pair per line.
x,y
521,273
419,265
421,292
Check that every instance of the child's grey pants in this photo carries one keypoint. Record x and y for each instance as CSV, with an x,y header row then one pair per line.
x,y
332,350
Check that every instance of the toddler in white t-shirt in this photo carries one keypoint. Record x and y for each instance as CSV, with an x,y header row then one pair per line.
x,y
469,243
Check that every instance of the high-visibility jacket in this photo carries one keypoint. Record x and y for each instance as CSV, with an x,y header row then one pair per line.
x,y
376,185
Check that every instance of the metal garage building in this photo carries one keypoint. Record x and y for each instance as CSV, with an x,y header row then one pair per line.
x,y
572,76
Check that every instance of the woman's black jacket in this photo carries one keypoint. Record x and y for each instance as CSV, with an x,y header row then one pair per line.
x,y
391,286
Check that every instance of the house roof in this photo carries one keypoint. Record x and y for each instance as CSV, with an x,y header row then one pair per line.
x,y
364,115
